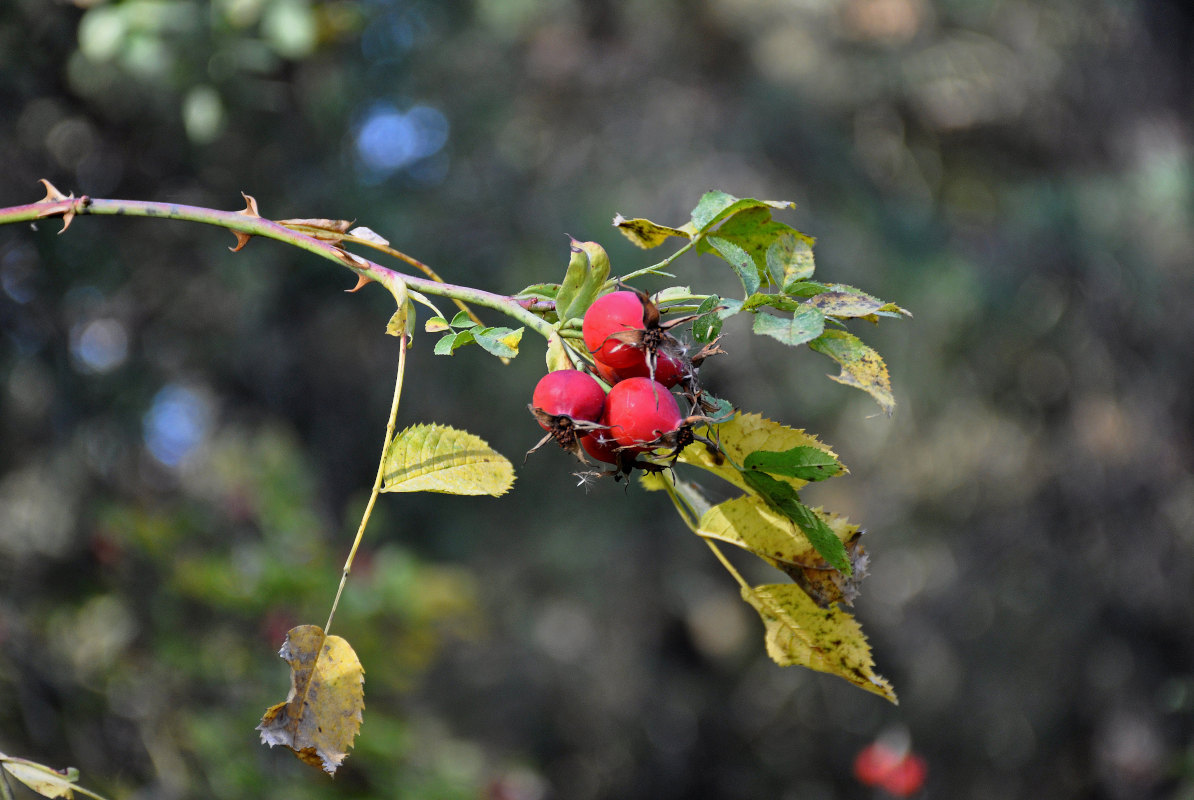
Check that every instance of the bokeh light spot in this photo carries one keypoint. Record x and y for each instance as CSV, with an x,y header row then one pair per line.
x,y
177,422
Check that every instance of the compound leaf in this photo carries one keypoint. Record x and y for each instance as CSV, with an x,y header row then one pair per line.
x,y
321,716
438,458
801,633
862,367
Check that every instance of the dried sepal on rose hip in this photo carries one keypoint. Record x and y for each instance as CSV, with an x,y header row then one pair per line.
x,y
567,404
601,446
624,333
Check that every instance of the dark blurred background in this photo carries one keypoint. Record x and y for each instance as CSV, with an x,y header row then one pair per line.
x,y
187,436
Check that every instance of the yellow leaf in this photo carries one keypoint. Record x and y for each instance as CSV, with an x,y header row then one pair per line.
x,y
322,714
437,458
742,435
800,633
749,523
46,781
647,234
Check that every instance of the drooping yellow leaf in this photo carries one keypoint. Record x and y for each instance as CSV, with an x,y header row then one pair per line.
x,y
800,633
647,234
862,367
320,717
437,458
742,435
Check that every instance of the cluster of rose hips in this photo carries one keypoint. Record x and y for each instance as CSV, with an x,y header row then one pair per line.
x,y
642,362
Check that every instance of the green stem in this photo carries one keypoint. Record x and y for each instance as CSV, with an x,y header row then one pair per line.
x,y
654,269
377,481
248,222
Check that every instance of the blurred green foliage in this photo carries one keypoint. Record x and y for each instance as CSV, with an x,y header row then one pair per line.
x,y
187,435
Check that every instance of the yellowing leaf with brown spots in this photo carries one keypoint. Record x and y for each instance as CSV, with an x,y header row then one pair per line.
x,y
800,633
647,234
862,367
321,716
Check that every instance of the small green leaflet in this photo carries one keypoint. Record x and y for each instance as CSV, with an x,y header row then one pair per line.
x,y
707,325
862,367
740,260
806,463
783,498
462,320
437,458
501,342
804,325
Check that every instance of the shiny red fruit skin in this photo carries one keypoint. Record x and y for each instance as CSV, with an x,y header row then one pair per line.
x,y
613,313
640,410
669,370
569,392
600,445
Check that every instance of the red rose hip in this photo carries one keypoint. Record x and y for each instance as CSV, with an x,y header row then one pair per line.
x,y
611,315
570,393
640,411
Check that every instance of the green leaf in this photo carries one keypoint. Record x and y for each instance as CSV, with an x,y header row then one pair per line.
x,y
804,325
783,498
741,436
790,259
804,462
647,234
715,206
740,260
595,261
501,342
729,307
777,301
541,291
707,325
800,633
445,345
462,320
437,458
805,288
862,367
779,251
